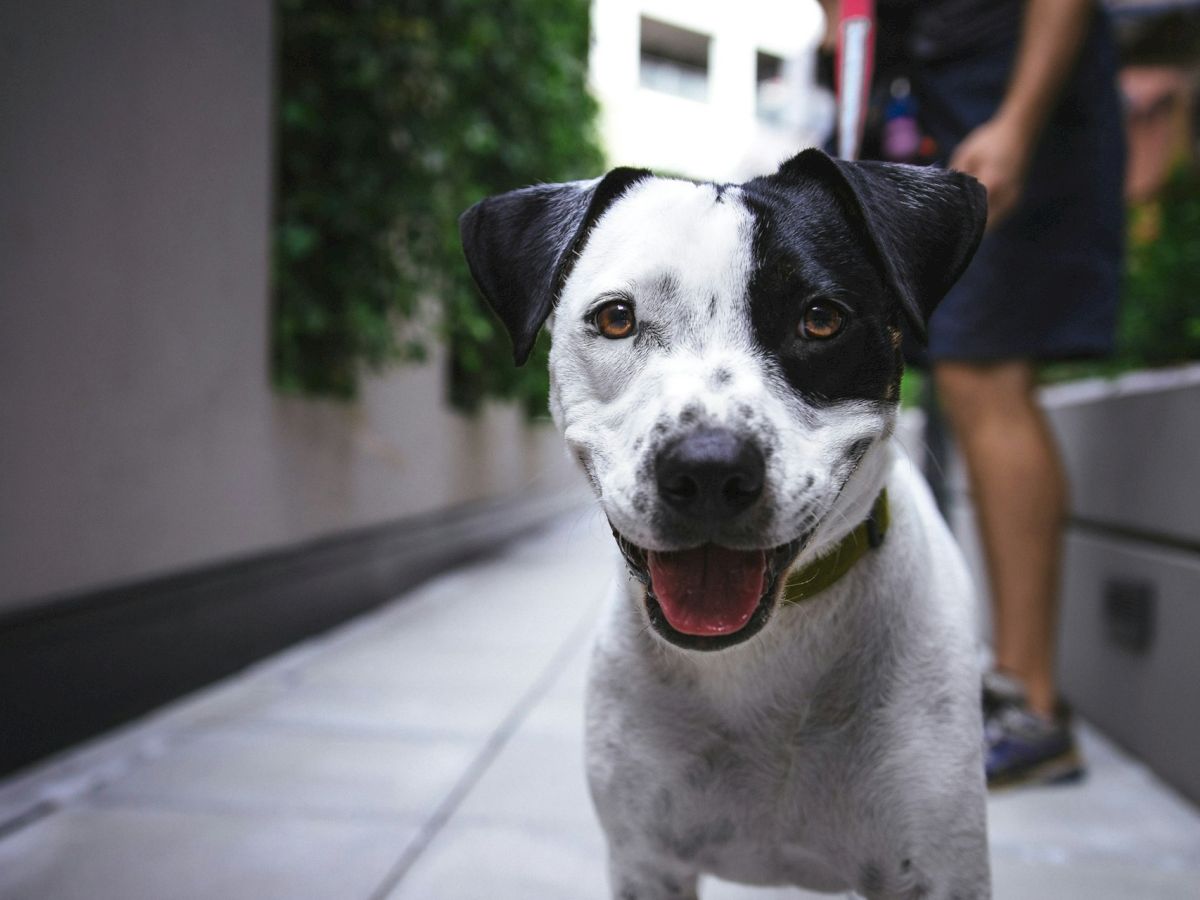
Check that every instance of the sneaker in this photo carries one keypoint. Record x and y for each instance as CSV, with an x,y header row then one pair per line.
x,y
1022,747
1000,690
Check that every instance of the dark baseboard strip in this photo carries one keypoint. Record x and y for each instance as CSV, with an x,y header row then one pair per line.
x,y
1112,530
1120,532
72,667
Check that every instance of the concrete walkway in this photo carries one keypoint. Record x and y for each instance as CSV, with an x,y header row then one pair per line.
x,y
433,750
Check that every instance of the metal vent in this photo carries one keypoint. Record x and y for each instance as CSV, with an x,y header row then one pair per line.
x,y
1129,613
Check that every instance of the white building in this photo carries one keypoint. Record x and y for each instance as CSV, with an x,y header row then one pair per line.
x,y
707,89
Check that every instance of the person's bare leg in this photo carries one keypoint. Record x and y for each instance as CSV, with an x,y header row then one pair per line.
x,y
1020,496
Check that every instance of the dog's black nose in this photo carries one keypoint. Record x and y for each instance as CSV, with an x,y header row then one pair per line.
x,y
710,474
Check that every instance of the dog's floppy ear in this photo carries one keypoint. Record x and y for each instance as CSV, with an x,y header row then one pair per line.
x,y
520,246
925,223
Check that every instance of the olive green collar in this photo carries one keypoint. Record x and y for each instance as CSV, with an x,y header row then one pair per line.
x,y
824,572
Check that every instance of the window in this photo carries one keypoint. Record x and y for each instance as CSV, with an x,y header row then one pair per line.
x,y
772,90
674,60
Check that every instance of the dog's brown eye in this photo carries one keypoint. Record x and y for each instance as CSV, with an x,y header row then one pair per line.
x,y
615,319
821,321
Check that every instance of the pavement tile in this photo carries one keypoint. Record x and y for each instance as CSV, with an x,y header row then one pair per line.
x,y
422,662
507,862
496,607
446,710
1121,814
714,889
516,601
283,772
537,780
123,854
1095,881
559,713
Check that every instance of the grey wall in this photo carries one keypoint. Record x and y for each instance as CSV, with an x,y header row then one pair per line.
x,y
138,431
1130,448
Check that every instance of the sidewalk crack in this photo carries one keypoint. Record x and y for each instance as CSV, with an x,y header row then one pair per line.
x,y
483,760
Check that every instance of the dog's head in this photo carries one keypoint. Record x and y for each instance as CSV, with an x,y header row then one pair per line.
x,y
725,359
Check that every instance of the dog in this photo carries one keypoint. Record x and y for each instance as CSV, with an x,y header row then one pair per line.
x,y
784,689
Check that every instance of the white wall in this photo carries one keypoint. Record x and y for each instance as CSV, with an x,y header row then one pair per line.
x,y
138,431
722,138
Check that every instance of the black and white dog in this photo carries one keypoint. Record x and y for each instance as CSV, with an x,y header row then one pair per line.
x,y
784,690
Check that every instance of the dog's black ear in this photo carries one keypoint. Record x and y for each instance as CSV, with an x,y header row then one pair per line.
x,y
520,246
924,223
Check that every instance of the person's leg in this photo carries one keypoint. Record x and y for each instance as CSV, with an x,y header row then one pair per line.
x,y
1020,496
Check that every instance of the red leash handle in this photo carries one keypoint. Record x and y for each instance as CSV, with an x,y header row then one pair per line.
x,y
854,63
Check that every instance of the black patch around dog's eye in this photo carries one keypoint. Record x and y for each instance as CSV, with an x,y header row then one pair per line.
x,y
807,254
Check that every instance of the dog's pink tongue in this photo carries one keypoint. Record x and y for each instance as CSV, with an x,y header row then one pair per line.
x,y
710,590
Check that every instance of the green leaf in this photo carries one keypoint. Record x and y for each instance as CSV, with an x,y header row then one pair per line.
x,y
394,116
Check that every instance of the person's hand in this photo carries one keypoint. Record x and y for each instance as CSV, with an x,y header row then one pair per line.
x,y
997,153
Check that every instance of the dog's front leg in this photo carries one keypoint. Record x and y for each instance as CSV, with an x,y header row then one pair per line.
x,y
641,880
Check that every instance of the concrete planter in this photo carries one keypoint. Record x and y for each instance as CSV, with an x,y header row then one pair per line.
x,y
1129,639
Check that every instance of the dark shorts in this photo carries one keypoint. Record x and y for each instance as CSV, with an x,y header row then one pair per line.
x,y
1044,283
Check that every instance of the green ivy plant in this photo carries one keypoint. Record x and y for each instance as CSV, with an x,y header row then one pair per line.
x,y
1160,313
1158,320
393,117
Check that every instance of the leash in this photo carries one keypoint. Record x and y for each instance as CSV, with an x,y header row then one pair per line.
x,y
853,64
852,71
826,571
853,67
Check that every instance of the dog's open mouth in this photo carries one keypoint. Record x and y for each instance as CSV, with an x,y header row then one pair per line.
x,y
708,597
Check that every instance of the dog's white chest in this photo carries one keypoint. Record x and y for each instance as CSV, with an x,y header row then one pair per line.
x,y
816,757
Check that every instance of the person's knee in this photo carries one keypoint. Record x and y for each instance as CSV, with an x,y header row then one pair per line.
x,y
972,392
957,386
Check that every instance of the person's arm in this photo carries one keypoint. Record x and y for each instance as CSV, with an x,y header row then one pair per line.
x,y
998,151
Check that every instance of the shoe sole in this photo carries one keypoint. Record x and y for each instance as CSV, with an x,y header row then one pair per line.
x,y
1066,768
